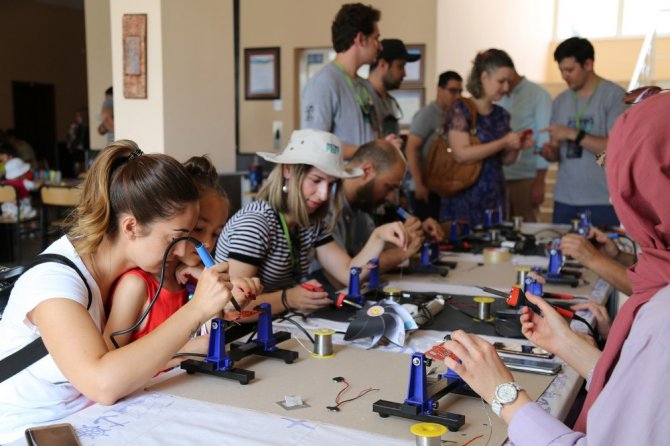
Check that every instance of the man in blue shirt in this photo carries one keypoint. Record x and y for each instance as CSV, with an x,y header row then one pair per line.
x,y
529,106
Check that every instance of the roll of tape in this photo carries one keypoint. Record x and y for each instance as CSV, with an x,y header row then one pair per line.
x,y
496,255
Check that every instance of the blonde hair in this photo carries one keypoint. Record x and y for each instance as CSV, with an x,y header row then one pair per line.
x,y
292,202
149,187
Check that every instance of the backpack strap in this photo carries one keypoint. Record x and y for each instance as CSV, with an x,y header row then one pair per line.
x,y
33,352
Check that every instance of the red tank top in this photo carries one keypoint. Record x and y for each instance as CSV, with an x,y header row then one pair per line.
x,y
166,305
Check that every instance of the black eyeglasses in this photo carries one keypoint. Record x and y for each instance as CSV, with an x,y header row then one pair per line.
x,y
640,94
455,91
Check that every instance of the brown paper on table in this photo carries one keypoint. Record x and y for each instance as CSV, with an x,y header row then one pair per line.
x,y
312,379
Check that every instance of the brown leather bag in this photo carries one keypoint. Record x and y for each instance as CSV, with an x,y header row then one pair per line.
x,y
444,175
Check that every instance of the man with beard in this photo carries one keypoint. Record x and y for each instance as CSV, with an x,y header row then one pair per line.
x,y
387,73
383,167
581,118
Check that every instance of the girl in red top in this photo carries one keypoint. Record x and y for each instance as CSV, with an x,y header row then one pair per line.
x,y
136,288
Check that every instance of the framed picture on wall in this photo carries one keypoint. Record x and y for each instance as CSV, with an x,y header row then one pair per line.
x,y
410,101
135,56
261,73
414,70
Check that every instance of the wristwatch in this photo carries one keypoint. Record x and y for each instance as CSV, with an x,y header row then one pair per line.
x,y
505,393
580,135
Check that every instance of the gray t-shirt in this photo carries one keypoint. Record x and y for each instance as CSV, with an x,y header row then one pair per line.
x,y
529,106
329,104
581,181
424,123
388,112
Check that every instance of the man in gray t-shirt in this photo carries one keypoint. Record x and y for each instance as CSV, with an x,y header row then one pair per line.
x,y
386,74
335,99
580,121
423,203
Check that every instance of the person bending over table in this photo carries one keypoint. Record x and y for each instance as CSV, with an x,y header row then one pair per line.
x,y
276,236
383,167
627,392
132,207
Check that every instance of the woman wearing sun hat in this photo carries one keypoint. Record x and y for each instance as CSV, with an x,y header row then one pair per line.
x,y
276,236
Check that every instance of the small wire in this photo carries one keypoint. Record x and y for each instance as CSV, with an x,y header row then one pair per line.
x,y
287,317
339,402
473,439
488,416
303,345
197,355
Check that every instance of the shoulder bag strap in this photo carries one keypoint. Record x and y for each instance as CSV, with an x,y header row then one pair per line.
x,y
33,352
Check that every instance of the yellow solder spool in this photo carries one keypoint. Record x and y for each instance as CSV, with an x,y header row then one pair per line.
x,y
484,308
323,343
496,255
428,434
393,294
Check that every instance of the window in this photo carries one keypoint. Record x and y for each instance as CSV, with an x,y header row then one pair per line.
x,y
610,18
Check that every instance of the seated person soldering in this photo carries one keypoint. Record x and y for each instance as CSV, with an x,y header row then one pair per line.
x,y
602,255
383,167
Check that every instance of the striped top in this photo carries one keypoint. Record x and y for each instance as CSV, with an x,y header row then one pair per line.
x,y
254,235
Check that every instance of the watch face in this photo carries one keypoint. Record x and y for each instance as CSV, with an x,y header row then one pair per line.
x,y
506,393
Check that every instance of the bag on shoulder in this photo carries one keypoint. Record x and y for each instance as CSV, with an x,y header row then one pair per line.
x,y
444,175
33,352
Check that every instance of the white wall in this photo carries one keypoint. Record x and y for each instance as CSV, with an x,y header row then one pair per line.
x,y
140,120
523,28
198,80
98,62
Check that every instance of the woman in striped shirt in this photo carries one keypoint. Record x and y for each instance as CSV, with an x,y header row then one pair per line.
x,y
276,236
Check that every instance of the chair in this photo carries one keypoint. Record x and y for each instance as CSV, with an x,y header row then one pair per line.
x,y
9,194
64,198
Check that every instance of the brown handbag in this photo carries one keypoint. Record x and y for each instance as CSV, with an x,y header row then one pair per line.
x,y
444,175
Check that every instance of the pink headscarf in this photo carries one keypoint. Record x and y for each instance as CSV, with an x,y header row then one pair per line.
x,y
638,178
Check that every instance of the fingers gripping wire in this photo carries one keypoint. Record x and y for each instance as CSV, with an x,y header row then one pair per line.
x,y
134,327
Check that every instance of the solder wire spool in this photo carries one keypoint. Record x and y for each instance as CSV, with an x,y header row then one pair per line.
x,y
428,434
496,255
393,293
323,343
484,308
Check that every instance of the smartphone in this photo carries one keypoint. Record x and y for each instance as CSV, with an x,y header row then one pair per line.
x,y
532,365
52,435
523,349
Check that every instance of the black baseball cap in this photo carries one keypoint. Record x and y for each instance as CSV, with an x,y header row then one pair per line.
x,y
393,49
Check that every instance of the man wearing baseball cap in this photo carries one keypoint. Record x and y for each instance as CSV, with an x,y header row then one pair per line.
x,y
387,73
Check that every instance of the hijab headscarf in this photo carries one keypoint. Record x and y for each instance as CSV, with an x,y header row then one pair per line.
x,y
638,178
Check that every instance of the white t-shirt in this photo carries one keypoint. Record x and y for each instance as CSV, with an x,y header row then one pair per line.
x,y
41,394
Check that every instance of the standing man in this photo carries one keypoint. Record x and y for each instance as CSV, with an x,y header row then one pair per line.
x,y
529,106
386,74
106,126
425,122
335,99
581,118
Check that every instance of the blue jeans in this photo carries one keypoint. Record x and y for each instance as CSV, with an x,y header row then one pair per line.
x,y
600,214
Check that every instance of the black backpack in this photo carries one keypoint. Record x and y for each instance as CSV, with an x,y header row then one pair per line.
x,y
33,352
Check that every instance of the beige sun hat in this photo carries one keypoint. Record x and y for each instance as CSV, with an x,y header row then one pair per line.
x,y
316,148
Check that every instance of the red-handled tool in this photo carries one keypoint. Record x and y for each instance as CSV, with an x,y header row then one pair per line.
x,y
517,298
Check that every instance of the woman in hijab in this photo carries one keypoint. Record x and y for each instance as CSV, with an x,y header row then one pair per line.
x,y
627,391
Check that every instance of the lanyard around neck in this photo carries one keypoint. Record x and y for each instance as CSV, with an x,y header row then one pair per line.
x,y
363,104
287,235
579,113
